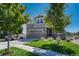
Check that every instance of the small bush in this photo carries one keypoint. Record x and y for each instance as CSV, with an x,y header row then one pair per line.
x,y
68,40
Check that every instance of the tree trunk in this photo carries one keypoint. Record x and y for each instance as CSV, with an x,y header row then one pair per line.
x,y
8,43
58,38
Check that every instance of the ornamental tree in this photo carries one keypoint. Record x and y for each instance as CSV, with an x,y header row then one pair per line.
x,y
56,17
12,17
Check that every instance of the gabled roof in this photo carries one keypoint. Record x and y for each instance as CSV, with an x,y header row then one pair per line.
x,y
39,16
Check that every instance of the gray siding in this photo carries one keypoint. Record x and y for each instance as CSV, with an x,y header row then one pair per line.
x,y
36,30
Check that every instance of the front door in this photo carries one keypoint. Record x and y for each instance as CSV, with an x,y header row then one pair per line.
x,y
49,32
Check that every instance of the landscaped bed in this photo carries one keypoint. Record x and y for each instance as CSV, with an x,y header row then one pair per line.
x,y
63,47
18,52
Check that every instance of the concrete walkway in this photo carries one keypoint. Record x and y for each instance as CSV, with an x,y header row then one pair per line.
x,y
41,52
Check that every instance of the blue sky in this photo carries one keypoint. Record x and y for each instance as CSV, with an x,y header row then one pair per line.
x,y
34,9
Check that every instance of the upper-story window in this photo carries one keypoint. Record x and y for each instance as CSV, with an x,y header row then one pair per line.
x,y
39,21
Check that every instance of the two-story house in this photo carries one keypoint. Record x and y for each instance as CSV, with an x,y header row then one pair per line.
x,y
37,28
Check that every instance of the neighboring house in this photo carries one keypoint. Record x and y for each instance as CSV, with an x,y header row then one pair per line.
x,y
37,28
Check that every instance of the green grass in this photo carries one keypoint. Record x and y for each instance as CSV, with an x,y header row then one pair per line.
x,y
19,52
64,46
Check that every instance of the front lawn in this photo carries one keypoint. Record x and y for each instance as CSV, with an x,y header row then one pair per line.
x,y
64,46
19,52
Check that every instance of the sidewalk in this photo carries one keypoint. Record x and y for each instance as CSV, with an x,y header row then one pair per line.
x,y
76,41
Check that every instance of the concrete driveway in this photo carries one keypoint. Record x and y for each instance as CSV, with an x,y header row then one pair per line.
x,y
3,45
